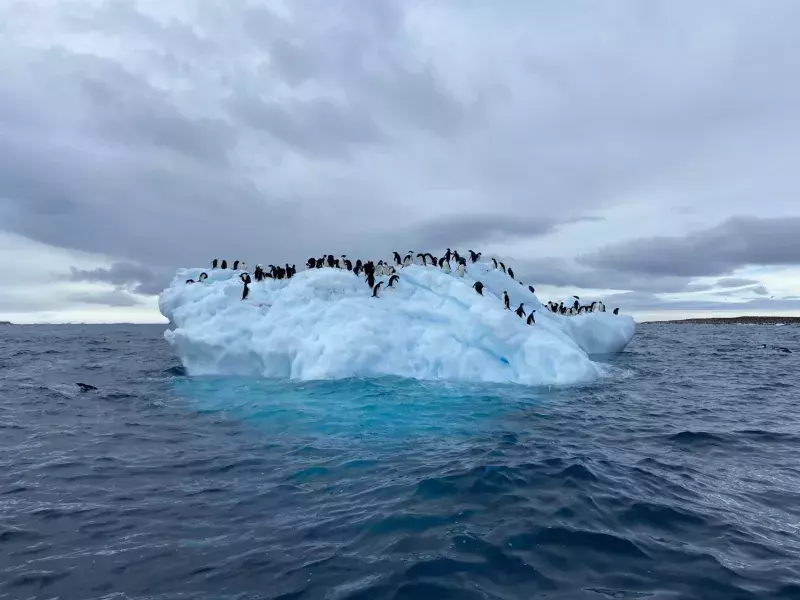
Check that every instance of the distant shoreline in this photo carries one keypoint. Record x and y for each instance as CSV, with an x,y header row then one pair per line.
x,y
732,321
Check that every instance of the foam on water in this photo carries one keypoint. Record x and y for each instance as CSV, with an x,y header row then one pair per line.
x,y
324,323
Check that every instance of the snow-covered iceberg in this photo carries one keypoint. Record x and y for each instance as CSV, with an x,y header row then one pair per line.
x,y
324,323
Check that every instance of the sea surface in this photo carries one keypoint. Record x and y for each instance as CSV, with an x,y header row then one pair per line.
x,y
678,476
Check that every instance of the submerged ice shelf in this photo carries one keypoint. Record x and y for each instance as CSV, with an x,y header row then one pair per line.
x,y
324,323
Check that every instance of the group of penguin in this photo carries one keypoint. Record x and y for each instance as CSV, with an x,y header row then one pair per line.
x,y
370,271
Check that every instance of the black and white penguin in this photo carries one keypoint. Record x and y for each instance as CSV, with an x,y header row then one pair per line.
x,y
408,260
474,256
431,259
478,287
348,265
203,276
616,311
510,272
377,289
494,263
245,291
236,265
397,258
245,277
224,264
462,268
214,263
243,266
502,267
310,263
370,279
520,311
533,291
190,281
531,320
506,301
447,255
393,279
445,264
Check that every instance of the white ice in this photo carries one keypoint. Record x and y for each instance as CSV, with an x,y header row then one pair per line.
x,y
325,324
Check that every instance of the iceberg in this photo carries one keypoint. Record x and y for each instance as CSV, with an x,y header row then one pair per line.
x,y
325,324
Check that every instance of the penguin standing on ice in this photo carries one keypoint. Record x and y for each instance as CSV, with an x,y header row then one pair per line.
x,y
397,260
371,279
478,287
533,291
408,260
474,256
224,264
203,276
245,291
214,263
510,272
494,263
377,289
520,312
531,320
462,268
447,255
445,264
190,281
236,265
393,279
506,301
616,311
502,267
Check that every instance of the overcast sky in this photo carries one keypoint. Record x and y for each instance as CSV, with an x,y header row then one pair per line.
x,y
646,152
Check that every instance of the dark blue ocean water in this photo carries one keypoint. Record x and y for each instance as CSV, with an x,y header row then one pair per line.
x,y
677,477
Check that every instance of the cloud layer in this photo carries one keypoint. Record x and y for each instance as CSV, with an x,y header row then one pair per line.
x,y
609,145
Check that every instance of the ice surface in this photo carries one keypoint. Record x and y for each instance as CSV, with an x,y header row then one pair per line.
x,y
324,323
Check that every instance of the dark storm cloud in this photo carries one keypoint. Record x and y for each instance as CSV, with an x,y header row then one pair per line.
x,y
135,278
738,242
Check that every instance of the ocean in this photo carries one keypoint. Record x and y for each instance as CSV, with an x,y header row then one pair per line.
x,y
677,476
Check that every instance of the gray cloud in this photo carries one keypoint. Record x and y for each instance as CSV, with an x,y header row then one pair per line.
x,y
635,301
117,298
738,242
164,138
126,276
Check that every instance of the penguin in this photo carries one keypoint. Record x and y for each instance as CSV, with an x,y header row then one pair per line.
x,y
520,311
310,263
243,266
445,264
474,256
393,279
506,301
190,281
376,290
575,305
371,279
423,259
320,263
616,311
502,267
85,387
510,272
330,260
245,277
214,263
431,258
494,263
447,255
456,256
245,291
533,291
408,260
462,268
531,320
224,264
348,265
602,306
203,276
236,265
784,350
397,259
478,287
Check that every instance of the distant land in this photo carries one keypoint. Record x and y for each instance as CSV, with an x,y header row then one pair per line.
x,y
6,323
772,320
